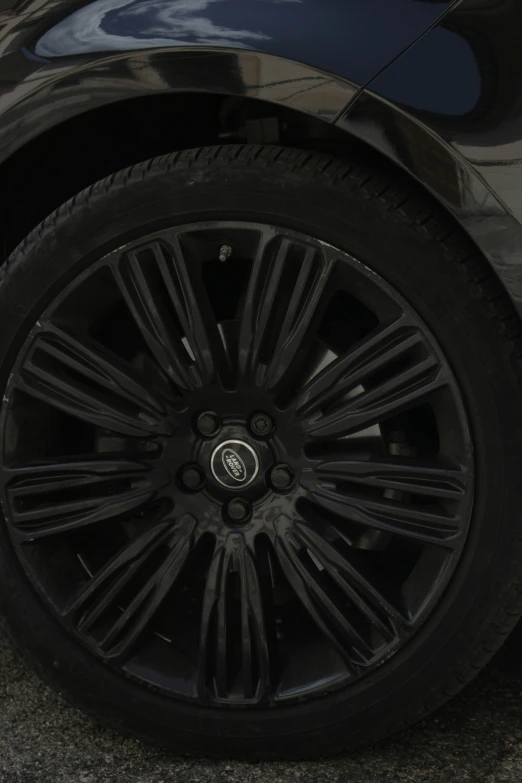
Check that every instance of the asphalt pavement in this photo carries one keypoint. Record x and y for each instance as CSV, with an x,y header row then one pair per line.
x,y
477,737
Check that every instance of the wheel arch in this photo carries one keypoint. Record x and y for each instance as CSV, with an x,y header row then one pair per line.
x,y
86,119
446,175
95,126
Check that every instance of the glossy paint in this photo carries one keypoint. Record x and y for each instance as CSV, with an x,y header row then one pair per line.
x,y
82,86
449,110
352,39
59,58
462,80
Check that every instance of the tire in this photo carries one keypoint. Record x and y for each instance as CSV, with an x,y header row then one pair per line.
x,y
455,539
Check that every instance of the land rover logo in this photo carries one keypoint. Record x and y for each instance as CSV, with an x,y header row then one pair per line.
x,y
234,464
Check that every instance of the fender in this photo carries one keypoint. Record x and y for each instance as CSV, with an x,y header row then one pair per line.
x,y
353,39
448,111
59,59
62,92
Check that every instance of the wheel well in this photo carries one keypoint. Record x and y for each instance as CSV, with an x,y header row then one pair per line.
x,y
62,161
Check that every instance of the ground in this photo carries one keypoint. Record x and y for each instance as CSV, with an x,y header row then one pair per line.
x,y
477,737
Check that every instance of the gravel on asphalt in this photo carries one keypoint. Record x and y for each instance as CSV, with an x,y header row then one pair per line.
x,y
477,737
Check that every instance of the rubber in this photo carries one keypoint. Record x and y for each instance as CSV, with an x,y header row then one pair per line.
x,y
407,239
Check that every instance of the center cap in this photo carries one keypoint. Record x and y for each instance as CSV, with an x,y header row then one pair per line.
x,y
234,464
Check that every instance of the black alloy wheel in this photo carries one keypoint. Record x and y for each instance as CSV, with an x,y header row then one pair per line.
x,y
235,567
237,467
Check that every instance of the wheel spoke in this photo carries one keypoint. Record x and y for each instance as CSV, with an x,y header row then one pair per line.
x,y
170,305
283,302
106,614
151,313
330,405
381,605
50,498
234,648
76,376
328,614
422,523
401,474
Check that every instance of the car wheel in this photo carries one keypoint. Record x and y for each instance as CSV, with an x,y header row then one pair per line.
x,y
261,437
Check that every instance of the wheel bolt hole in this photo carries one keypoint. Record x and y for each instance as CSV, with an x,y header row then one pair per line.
x,y
238,511
281,478
192,478
208,424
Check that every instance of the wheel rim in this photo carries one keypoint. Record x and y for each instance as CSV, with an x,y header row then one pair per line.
x,y
236,464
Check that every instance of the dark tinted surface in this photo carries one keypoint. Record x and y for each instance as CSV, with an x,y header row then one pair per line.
x,y
351,38
463,80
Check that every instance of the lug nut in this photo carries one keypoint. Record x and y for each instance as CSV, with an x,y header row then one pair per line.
x,y
208,424
281,477
192,477
238,510
261,424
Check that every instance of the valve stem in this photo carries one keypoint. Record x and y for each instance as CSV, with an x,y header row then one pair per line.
x,y
225,252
